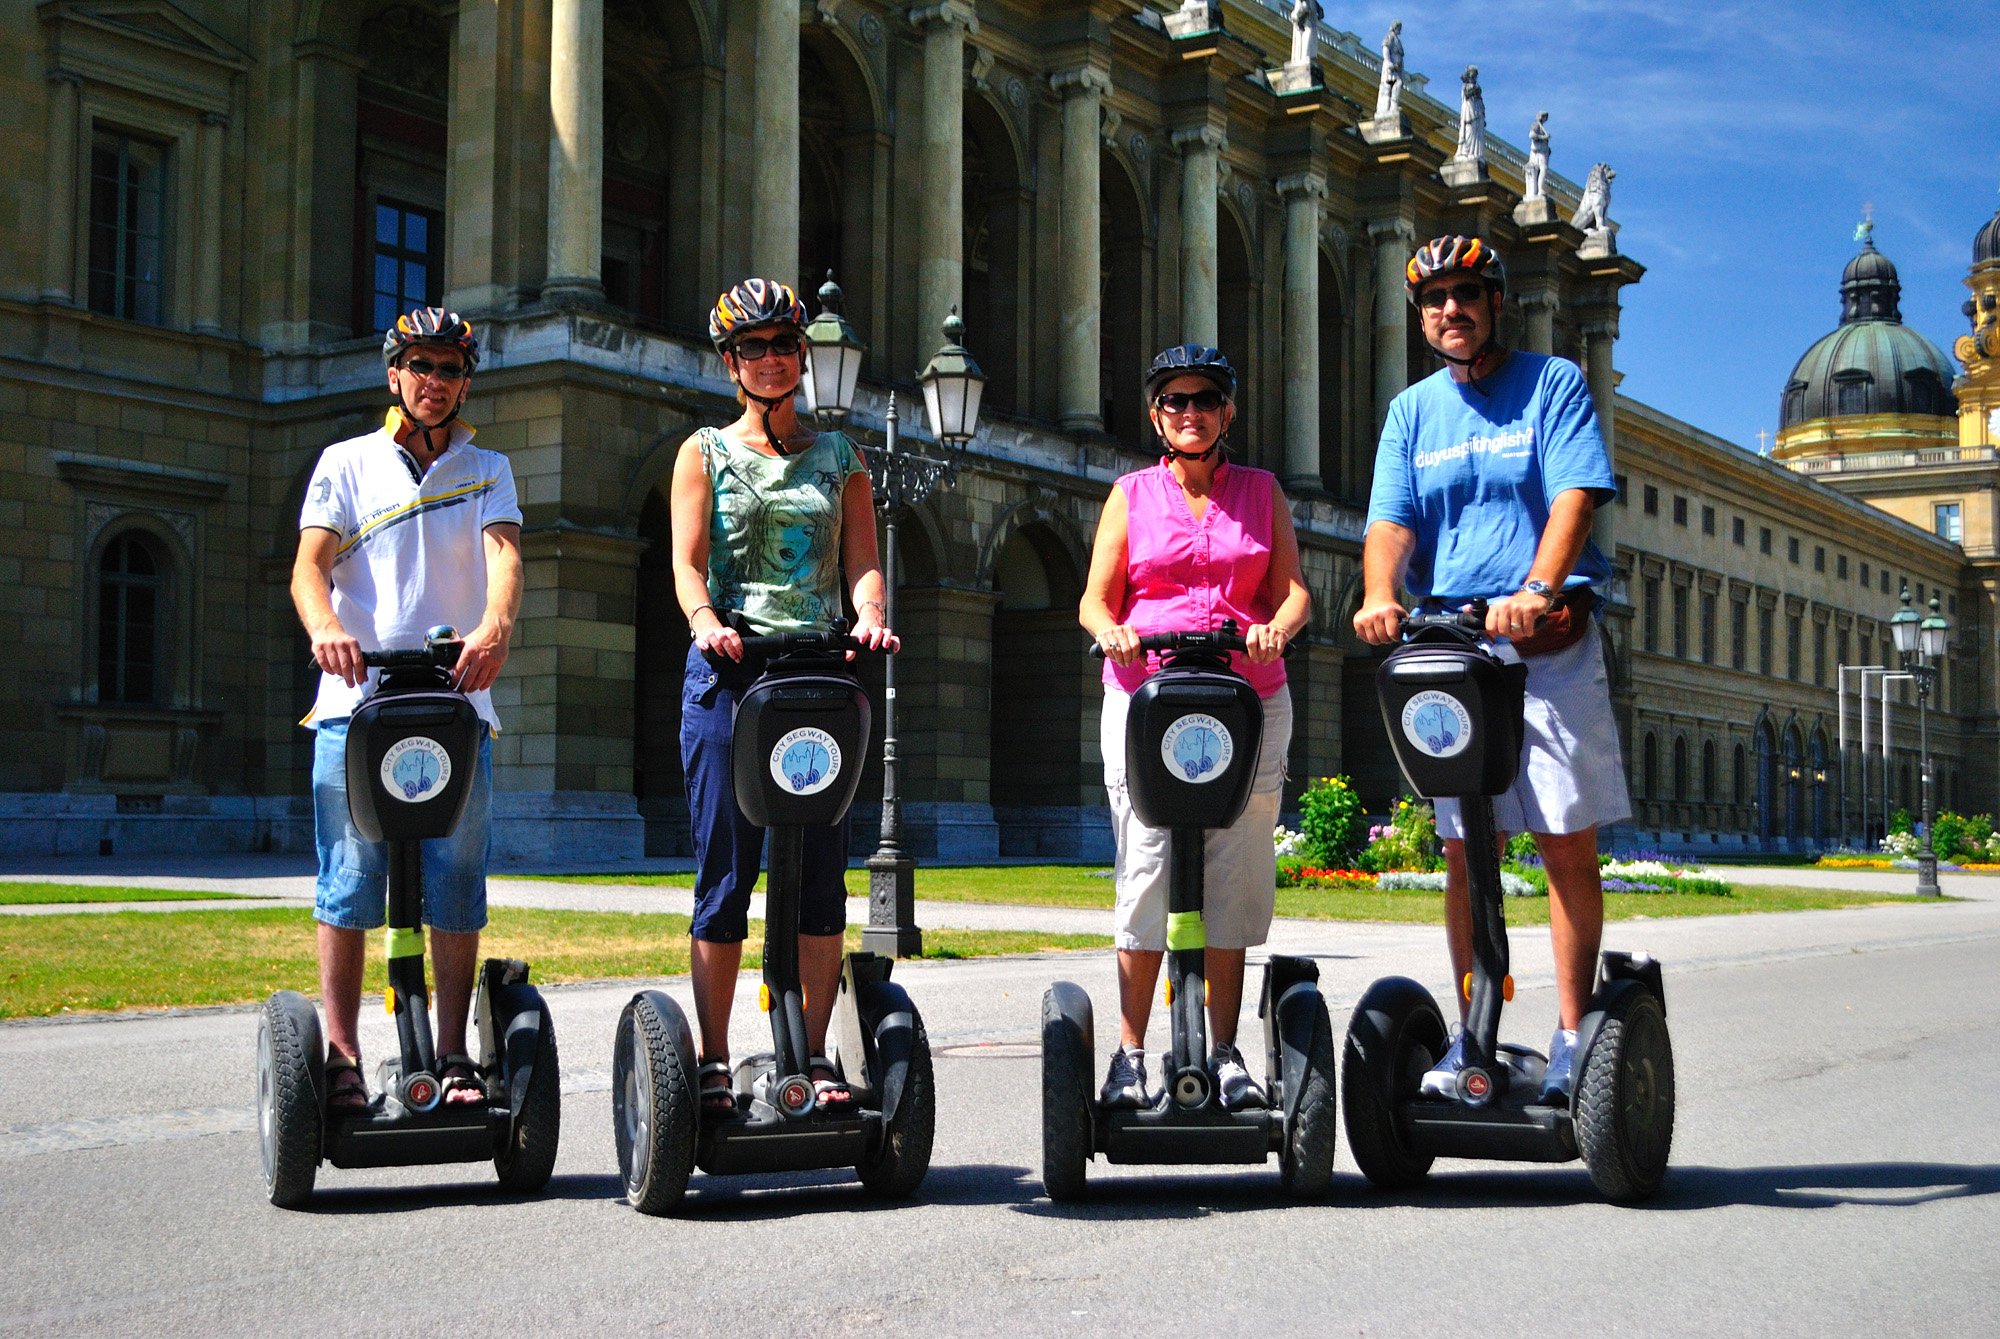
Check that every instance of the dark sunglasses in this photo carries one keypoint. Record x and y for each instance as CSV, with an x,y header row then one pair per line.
x,y
424,367
750,350
1179,402
1465,295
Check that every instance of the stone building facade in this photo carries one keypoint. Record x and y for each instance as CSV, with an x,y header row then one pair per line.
x,y
212,210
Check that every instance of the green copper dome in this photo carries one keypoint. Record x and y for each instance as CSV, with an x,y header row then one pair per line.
x,y
1872,363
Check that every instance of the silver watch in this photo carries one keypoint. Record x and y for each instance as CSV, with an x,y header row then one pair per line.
x,y
1541,588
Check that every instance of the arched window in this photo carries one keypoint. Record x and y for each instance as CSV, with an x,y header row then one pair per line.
x,y
1708,795
131,595
1740,777
1680,767
1649,772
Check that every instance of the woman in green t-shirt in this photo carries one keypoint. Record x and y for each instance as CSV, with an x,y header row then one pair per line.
x,y
766,518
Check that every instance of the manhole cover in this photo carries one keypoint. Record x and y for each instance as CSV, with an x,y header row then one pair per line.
x,y
994,1050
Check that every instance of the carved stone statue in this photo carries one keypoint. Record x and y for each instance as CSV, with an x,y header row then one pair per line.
x,y
1306,18
1593,212
1389,92
1535,181
1471,119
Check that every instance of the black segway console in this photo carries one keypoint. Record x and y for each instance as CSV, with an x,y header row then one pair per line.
x,y
1454,711
411,750
1192,738
801,734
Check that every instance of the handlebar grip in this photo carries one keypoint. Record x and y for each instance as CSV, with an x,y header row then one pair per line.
x,y
782,643
438,655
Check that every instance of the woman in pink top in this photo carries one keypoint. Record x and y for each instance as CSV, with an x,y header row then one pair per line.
x,y
1181,546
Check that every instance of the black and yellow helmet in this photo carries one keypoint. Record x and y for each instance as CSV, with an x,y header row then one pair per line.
x,y
754,304
430,325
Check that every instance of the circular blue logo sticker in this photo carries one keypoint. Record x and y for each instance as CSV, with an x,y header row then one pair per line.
x,y
1197,748
415,769
1437,723
805,761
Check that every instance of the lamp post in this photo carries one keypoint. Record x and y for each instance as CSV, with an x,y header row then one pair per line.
x,y
1919,642
952,385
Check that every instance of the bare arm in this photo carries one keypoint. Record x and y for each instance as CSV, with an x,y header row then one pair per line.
x,y
486,647
1385,557
333,650
1104,592
1563,538
861,562
1291,603
688,505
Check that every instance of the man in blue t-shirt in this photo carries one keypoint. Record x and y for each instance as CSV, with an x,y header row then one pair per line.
x,y
1486,480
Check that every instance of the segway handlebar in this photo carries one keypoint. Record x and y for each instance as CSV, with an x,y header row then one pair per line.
x,y
1468,621
834,640
1223,639
440,650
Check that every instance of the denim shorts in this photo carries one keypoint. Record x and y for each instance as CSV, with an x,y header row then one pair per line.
x,y
728,848
353,888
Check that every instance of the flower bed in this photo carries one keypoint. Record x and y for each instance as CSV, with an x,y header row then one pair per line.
x,y
1293,874
1655,876
1413,881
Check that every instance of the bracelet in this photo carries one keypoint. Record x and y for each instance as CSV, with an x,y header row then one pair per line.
x,y
692,634
876,605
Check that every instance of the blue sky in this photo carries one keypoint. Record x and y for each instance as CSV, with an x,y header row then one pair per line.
x,y
1747,140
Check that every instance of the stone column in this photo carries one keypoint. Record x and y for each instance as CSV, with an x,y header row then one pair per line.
x,y
576,152
59,223
774,138
1302,195
208,256
1598,338
1200,148
1538,329
941,264
1394,241
1079,261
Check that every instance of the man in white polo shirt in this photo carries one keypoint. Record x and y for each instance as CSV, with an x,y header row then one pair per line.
x,y
405,528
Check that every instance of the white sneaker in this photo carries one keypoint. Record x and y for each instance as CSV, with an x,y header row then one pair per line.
x,y
1125,1085
1560,1078
1441,1080
1233,1081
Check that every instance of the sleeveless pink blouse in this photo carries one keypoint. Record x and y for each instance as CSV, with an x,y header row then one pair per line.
x,y
1184,574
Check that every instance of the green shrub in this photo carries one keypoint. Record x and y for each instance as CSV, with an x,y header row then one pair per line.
x,y
1900,821
1521,849
1331,821
1408,841
1958,838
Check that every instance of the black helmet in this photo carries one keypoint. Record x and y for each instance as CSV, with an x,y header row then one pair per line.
x,y
754,304
1191,360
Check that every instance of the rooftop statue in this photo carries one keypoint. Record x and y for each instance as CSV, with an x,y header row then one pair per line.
x,y
1389,92
1471,119
1535,182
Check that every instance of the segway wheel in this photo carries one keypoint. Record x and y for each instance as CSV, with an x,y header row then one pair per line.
x,y
1306,1165
1397,1033
1625,1098
652,1110
288,1100
904,1158
1066,1121
527,1160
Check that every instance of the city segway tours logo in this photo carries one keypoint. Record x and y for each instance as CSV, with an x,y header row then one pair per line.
x,y
1197,748
1437,723
805,761
415,769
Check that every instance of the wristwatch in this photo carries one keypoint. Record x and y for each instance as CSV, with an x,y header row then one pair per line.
x,y
1541,588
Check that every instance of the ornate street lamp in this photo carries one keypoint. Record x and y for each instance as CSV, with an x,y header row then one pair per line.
x,y
835,364
952,385
1919,642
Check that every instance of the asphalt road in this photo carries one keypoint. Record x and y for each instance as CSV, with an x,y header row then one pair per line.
x,y
1834,1173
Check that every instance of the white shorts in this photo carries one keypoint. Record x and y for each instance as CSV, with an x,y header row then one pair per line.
x,y
1240,874
1572,772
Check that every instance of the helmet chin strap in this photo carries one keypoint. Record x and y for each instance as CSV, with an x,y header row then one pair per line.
x,y
443,425
1176,454
765,405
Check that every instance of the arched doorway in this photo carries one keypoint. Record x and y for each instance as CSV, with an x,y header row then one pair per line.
x,y
1039,744
839,146
660,645
996,228
1123,322
1236,327
1341,471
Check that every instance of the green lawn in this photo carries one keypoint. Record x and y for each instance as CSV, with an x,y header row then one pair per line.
x,y
1089,887
49,894
148,960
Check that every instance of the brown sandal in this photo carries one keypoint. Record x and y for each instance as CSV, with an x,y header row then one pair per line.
x,y
346,1090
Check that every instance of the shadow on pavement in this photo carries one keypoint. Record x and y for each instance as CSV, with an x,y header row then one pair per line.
x,y
1824,1185
413,1199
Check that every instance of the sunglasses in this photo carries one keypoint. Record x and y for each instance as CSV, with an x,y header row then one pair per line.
x,y
1179,402
424,367
1465,295
750,350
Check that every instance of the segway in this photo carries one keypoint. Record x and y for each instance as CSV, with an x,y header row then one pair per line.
x,y
411,750
1453,711
1191,743
801,733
